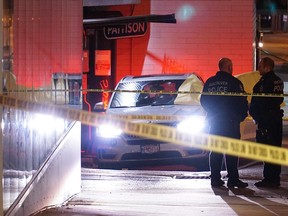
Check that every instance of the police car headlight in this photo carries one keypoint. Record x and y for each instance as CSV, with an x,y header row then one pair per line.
x,y
109,131
193,124
43,123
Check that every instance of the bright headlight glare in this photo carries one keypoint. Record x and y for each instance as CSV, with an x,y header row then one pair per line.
x,y
43,123
109,131
193,124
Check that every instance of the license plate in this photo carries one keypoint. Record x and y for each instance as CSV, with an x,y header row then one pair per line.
x,y
149,149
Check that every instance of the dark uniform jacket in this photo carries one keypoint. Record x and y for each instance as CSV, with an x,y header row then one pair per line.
x,y
265,109
224,113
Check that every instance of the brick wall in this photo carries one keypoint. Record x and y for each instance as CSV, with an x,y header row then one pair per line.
x,y
206,30
47,38
131,52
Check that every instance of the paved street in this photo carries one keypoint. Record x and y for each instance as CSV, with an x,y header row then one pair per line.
x,y
130,192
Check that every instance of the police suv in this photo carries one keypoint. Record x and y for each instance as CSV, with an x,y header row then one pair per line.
x,y
152,95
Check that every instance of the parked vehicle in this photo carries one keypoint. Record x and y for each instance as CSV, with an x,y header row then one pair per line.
x,y
140,95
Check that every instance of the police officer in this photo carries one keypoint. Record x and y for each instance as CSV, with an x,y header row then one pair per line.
x,y
267,114
224,114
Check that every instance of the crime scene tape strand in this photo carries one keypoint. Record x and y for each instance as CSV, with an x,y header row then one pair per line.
x,y
245,149
148,92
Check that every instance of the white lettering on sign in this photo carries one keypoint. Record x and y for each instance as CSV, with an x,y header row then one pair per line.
x,y
125,30
135,27
113,31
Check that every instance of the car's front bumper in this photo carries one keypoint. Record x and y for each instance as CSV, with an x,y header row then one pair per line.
x,y
119,150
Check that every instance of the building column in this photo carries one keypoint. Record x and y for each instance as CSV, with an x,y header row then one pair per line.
x,y
1,78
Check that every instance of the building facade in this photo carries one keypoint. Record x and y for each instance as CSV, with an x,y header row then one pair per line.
x,y
47,47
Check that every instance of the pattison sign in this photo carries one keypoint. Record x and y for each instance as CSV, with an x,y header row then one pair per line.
x,y
130,29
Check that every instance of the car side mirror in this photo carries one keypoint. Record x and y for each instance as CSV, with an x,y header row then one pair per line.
x,y
99,107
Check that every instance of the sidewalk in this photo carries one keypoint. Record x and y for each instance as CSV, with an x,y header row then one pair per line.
x,y
135,193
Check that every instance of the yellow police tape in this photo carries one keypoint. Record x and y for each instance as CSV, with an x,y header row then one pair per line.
x,y
245,149
166,118
148,92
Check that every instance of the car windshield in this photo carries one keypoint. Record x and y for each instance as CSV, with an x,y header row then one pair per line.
x,y
149,96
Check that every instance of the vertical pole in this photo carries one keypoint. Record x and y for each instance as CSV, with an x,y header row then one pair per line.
x,y
258,32
1,81
257,24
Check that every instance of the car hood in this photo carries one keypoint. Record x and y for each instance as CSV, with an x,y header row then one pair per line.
x,y
167,110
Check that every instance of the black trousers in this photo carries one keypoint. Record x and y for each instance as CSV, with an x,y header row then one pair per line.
x,y
271,135
228,129
216,159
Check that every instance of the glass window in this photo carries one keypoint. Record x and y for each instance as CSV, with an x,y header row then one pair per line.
x,y
145,93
